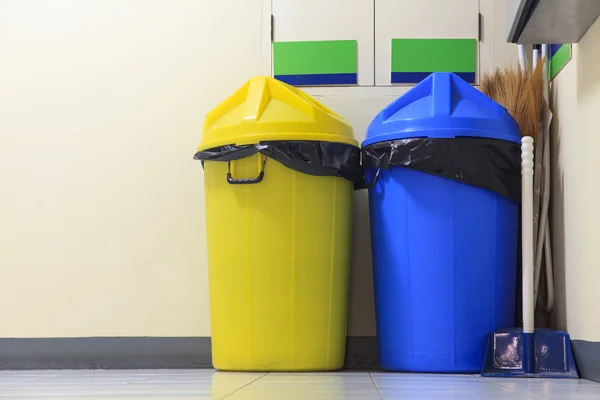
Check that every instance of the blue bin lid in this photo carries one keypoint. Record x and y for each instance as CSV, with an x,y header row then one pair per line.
x,y
443,106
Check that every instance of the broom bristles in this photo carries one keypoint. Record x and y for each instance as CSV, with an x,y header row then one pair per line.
x,y
520,92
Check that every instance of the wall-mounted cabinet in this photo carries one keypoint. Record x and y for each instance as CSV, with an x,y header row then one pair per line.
x,y
372,42
550,21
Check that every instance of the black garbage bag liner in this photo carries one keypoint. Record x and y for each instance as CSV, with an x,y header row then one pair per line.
x,y
309,157
487,163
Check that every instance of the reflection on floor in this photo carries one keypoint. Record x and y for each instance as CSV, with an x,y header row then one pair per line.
x,y
206,384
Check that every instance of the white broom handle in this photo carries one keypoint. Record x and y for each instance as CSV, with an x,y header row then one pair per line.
x,y
522,57
527,232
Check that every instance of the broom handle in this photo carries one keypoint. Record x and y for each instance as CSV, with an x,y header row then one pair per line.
x,y
527,232
522,57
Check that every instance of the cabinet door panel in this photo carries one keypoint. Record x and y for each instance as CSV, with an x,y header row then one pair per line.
x,y
414,38
323,42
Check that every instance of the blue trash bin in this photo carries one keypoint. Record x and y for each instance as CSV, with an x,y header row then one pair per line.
x,y
444,250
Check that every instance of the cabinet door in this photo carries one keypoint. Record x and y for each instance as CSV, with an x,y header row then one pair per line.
x,y
323,42
414,38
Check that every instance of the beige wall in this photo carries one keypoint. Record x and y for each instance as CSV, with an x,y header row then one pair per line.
x,y
576,186
101,213
101,108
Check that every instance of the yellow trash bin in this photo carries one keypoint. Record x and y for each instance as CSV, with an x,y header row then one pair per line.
x,y
278,170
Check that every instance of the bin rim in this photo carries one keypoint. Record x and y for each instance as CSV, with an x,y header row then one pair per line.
x,y
259,138
440,134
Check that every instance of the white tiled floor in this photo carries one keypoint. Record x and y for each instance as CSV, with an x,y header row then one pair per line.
x,y
206,384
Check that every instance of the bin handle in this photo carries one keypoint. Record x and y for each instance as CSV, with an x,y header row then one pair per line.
x,y
372,184
232,181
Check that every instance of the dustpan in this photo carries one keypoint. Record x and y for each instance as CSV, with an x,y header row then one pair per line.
x,y
529,352
545,353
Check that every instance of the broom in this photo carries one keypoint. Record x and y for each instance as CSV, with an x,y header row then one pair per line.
x,y
526,352
520,92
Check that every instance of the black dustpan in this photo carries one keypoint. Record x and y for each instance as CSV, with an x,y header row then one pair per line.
x,y
529,352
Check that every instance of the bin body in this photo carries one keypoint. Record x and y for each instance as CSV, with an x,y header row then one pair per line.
x,y
278,256
278,249
444,251
444,257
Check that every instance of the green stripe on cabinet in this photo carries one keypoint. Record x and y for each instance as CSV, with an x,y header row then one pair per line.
x,y
434,55
316,57
559,60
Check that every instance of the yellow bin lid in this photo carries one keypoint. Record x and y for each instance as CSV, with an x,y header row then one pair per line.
x,y
265,109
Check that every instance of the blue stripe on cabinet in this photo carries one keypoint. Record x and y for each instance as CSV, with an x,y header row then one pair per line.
x,y
416,77
319,79
554,48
